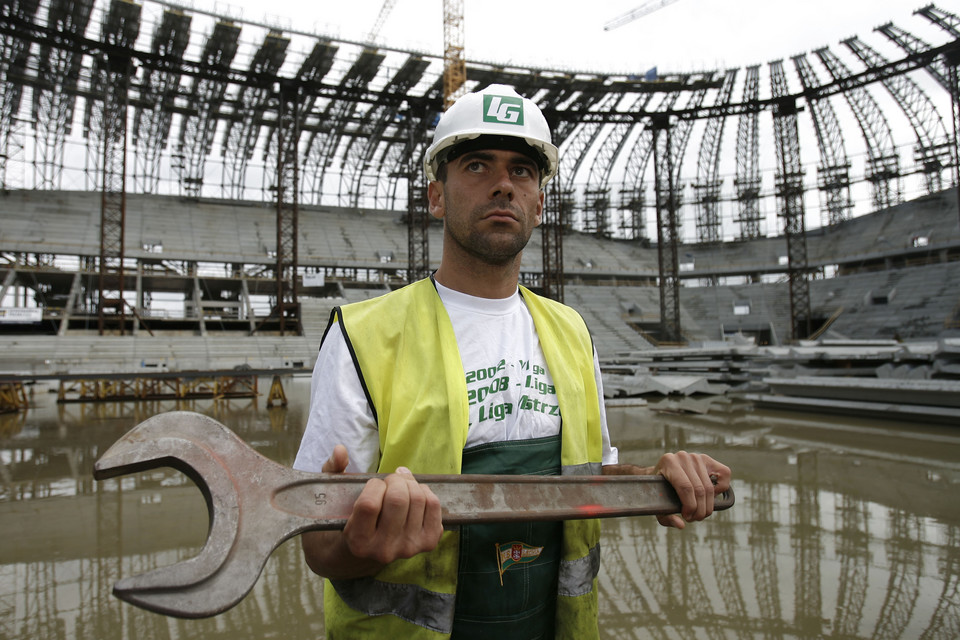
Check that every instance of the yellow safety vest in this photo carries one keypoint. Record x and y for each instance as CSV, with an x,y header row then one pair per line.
x,y
406,354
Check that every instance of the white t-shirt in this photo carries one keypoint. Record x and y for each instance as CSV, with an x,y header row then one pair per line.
x,y
510,390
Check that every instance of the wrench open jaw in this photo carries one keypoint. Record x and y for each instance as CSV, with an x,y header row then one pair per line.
x,y
232,478
255,504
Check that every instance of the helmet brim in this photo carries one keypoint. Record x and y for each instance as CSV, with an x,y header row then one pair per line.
x,y
451,147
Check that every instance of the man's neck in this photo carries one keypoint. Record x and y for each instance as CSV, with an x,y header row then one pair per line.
x,y
481,281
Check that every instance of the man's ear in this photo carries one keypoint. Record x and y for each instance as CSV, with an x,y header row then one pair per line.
x,y
435,199
539,217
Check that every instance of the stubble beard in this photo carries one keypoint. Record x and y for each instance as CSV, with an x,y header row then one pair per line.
x,y
494,247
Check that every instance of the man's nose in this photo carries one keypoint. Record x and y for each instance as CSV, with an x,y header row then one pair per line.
x,y
502,184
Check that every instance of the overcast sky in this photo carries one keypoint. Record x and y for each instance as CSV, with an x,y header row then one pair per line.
x,y
686,35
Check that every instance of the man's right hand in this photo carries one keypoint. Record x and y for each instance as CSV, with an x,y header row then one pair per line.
x,y
393,518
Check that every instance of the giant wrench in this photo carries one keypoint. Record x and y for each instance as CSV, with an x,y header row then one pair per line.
x,y
255,504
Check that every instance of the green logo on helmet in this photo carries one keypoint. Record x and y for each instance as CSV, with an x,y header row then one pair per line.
x,y
503,109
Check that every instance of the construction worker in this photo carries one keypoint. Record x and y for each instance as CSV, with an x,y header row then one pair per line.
x,y
465,372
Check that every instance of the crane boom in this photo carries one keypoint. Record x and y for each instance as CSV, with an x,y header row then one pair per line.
x,y
385,10
646,8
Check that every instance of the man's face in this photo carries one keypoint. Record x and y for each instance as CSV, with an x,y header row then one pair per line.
x,y
490,203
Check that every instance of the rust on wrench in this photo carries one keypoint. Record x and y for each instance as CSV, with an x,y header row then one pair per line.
x,y
255,504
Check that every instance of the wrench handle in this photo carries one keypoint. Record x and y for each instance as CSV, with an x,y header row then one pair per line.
x,y
325,501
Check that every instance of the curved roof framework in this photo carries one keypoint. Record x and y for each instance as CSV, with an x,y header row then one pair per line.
x,y
833,172
748,157
340,122
204,102
708,184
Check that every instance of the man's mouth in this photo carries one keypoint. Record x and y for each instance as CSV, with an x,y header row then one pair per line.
x,y
502,215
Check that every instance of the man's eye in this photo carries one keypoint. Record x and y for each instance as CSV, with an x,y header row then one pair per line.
x,y
476,165
523,171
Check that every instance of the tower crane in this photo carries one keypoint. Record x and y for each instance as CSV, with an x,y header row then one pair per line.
x,y
454,64
644,9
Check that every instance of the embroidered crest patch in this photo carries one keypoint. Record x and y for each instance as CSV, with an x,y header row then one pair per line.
x,y
511,553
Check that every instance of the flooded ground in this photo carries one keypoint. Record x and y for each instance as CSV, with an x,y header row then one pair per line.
x,y
842,529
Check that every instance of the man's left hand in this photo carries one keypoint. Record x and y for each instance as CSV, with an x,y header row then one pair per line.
x,y
697,479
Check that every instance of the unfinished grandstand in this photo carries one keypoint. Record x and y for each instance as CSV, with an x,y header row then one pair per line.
x,y
183,190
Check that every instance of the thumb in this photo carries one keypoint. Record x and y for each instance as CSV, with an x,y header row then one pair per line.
x,y
338,460
673,520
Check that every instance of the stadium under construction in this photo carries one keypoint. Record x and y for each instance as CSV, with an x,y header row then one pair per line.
x,y
183,191
186,195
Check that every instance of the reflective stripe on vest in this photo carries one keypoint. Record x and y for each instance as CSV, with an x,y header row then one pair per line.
x,y
410,602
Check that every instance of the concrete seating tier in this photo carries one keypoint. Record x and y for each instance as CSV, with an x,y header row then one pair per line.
x,y
901,300
78,354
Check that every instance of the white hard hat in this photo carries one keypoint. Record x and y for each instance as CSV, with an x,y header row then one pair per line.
x,y
500,113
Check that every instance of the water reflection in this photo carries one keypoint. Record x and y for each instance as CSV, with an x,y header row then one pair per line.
x,y
843,528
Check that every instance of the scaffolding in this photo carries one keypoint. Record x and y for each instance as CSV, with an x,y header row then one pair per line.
x,y
789,183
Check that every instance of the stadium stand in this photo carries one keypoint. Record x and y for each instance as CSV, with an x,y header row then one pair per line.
x,y
892,275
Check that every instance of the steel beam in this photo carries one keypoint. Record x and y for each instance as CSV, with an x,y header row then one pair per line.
x,y
632,196
337,115
204,101
418,215
152,118
287,305
747,181
933,146
789,184
583,138
708,184
833,173
883,161
668,230
551,228
14,54
361,173
240,138
597,194
58,73
313,69
109,120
